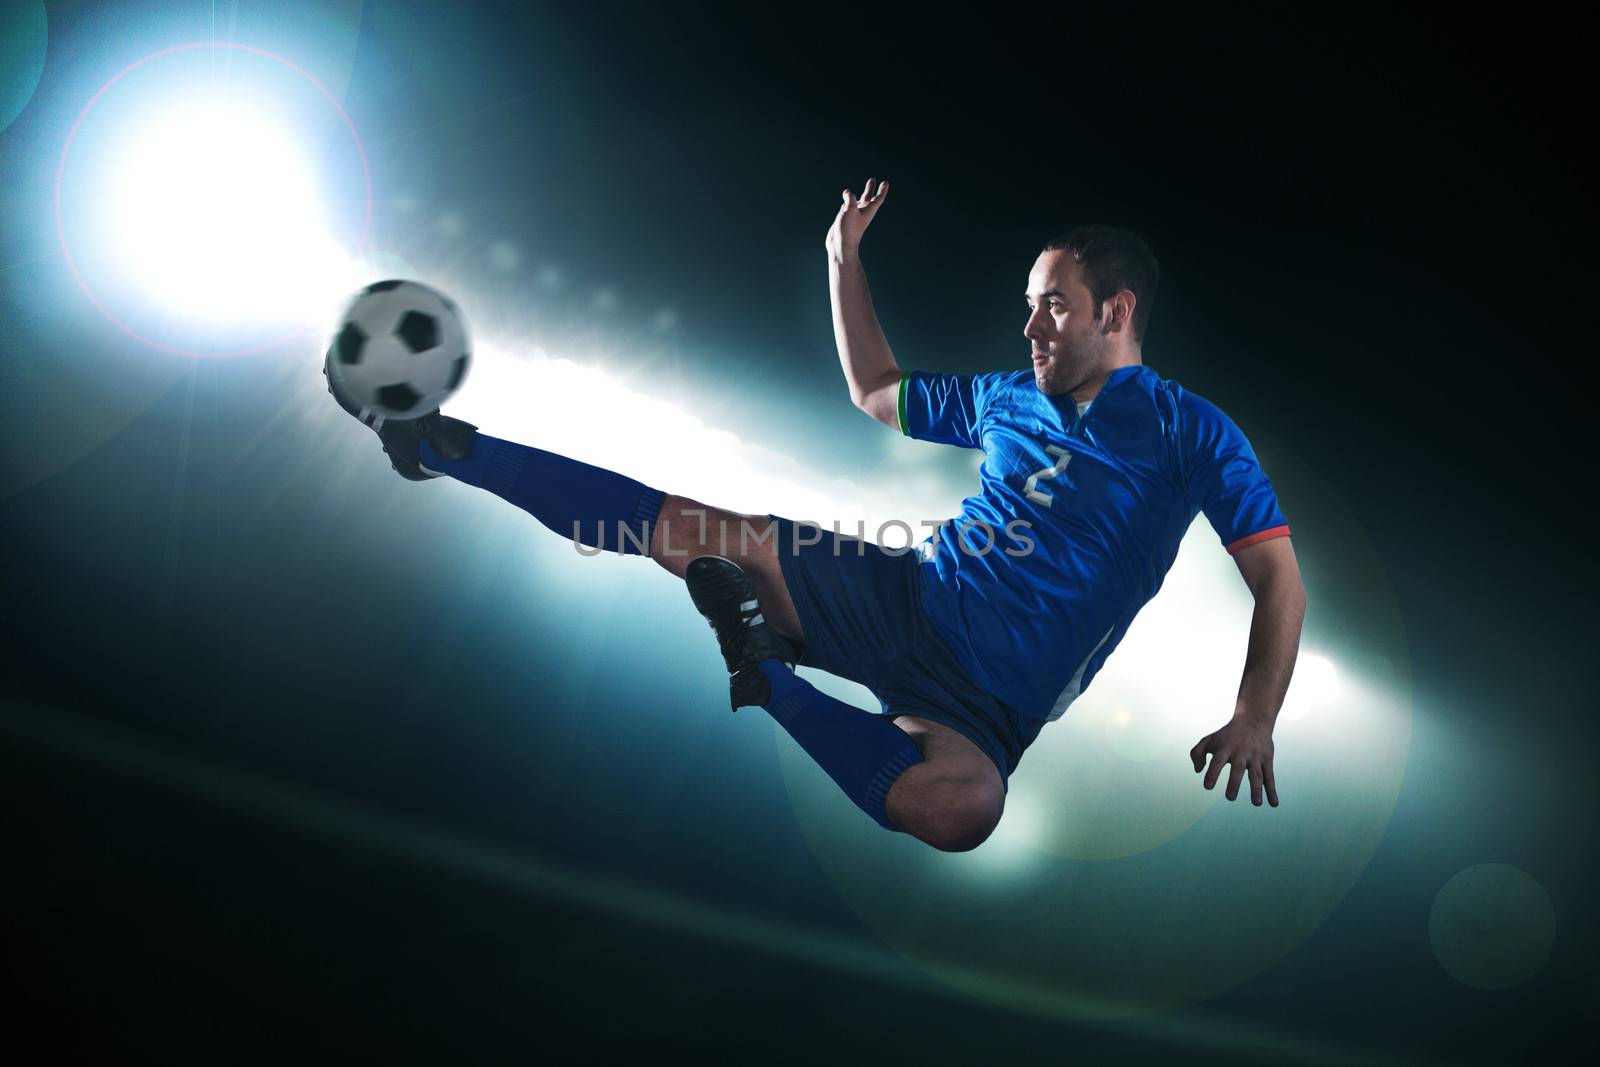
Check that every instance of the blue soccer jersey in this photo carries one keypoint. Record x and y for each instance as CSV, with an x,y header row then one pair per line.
x,y
1076,520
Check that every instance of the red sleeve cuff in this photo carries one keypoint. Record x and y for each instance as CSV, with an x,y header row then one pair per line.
x,y
1263,535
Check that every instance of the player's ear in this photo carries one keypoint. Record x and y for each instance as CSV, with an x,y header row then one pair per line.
x,y
1118,311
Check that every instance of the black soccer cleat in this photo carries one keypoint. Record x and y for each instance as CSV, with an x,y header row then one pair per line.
x,y
722,593
402,437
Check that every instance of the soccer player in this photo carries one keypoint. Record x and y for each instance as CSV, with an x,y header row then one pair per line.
x,y
1094,468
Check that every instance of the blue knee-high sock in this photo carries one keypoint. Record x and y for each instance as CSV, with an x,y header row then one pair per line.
x,y
591,505
862,752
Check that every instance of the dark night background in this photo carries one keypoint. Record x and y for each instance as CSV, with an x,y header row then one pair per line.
x,y
1374,241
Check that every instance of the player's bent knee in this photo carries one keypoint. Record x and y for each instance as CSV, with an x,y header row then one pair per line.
x,y
969,815
964,835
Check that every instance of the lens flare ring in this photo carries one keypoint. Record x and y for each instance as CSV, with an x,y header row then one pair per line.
x,y
61,169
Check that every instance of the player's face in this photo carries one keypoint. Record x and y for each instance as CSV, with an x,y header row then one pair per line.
x,y
1066,339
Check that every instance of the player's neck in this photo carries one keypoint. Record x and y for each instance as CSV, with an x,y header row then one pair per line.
x,y
1091,388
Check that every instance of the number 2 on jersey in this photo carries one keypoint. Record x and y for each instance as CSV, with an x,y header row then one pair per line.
x,y
1031,487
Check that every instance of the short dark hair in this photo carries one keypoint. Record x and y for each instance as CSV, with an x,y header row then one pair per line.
x,y
1114,260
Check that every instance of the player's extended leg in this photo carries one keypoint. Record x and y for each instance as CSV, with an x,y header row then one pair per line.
x,y
908,773
590,505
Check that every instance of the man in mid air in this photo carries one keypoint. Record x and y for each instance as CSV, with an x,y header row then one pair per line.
x,y
1094,468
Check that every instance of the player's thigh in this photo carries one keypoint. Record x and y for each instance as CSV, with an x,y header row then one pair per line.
x,y
687,528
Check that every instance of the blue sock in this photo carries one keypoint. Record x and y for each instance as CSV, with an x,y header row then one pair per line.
x,y
862,752
590,505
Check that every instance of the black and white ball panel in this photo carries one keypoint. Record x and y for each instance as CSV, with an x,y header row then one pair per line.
x,y
401,349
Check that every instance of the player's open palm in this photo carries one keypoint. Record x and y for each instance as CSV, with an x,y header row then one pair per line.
x,y
855,215
1247,747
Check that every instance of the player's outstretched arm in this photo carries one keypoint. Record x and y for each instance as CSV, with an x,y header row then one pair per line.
x,y
864,354
1270,570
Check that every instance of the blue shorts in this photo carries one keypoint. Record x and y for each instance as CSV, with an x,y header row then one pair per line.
x,y
861,609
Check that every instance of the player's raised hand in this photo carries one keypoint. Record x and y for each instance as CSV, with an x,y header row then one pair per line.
x,y
855,215
1247,746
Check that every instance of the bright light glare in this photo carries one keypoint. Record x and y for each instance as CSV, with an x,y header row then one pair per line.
x,y
521,392
217,220
1315,685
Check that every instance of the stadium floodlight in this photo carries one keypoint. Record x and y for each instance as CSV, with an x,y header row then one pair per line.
x,y
204,209
216,220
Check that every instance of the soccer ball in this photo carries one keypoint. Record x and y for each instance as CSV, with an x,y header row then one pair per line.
x,y
400,350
